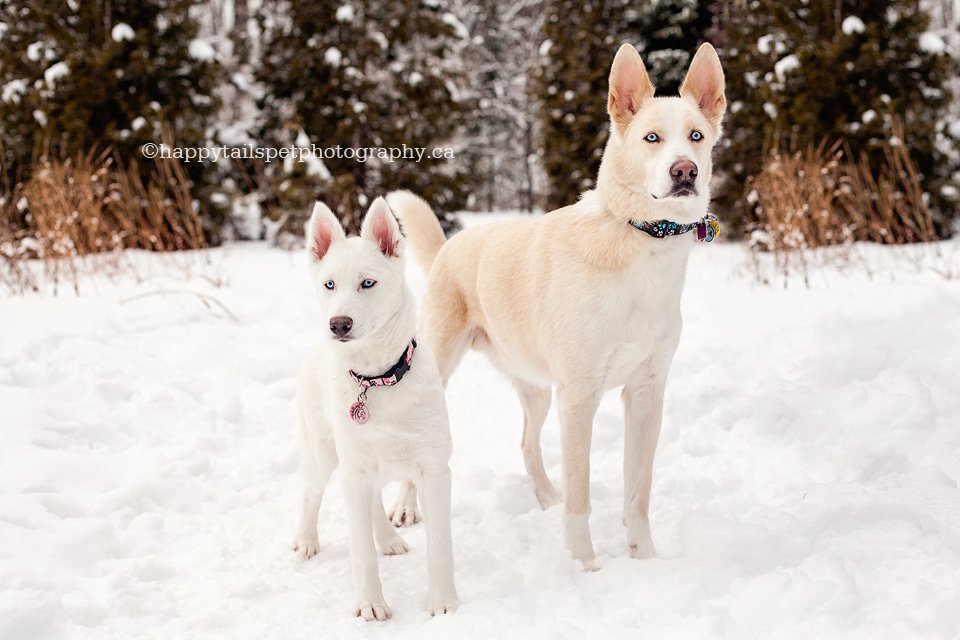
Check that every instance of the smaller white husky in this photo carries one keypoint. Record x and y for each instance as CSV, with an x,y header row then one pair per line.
x,y
370,397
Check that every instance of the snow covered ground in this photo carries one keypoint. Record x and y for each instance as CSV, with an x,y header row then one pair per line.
x,y
806,483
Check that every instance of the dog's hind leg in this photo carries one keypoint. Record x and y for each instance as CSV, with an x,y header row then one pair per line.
x,y
389,543
319,461
405,512
536,403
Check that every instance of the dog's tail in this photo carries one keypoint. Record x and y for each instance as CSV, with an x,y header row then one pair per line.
x,y
419,224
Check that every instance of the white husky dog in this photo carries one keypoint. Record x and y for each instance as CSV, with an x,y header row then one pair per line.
x,y
586,298
370,397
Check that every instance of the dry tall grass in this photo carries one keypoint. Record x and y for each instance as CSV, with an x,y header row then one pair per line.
x,y
813,205
76,215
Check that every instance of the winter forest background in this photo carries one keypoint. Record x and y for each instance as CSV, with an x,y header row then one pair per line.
x,y
842,123
807,480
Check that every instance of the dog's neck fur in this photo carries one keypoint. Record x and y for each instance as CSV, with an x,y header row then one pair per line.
x,y
377,352
603,235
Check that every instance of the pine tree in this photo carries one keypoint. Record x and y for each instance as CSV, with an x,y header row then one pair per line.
x,y
580,39
672,31
502,143
77,76
827,71
376,73
230,28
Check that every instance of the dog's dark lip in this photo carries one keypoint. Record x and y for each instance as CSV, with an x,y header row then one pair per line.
x,y
678,192
342,338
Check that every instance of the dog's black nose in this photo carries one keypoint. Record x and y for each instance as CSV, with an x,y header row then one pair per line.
x,y
683,171
341,325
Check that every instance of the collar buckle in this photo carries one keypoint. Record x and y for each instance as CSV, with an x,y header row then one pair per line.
x,y
708,228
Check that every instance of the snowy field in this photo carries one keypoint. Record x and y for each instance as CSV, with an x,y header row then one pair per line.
x,y
806,482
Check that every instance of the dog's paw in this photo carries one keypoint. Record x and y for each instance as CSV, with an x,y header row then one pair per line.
x,y
548,496
642,549
639,539
590,566
306,548
441,603
394,547
404,516
577,539
371,609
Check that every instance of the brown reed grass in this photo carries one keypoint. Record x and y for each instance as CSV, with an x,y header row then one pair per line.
x,y
77,215
815,204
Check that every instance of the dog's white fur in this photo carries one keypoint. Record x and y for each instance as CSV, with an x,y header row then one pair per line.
x,y
407,435
578,298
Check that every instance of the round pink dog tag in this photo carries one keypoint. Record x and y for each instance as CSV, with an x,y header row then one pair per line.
x,y
358,412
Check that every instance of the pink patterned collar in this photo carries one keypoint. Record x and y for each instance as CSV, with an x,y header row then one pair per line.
x,y
358,410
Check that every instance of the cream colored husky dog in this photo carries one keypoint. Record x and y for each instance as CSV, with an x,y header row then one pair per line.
x,y
585,298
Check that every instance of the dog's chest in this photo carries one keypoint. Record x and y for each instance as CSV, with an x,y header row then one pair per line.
x,y
644,321
379,448
405,430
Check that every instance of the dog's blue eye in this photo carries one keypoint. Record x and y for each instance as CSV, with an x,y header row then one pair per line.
x,y
366,284
696,136
329,284
652,137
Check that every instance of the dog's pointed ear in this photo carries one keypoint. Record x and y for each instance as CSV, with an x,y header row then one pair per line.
x,y
322,231
704,85
380,226
629,87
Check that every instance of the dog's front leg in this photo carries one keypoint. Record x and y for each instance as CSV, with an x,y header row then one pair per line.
x,y
318,459
435,496
359,494
578,404
643,413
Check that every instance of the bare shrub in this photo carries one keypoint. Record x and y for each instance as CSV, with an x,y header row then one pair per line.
x,y
77,215
816,204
